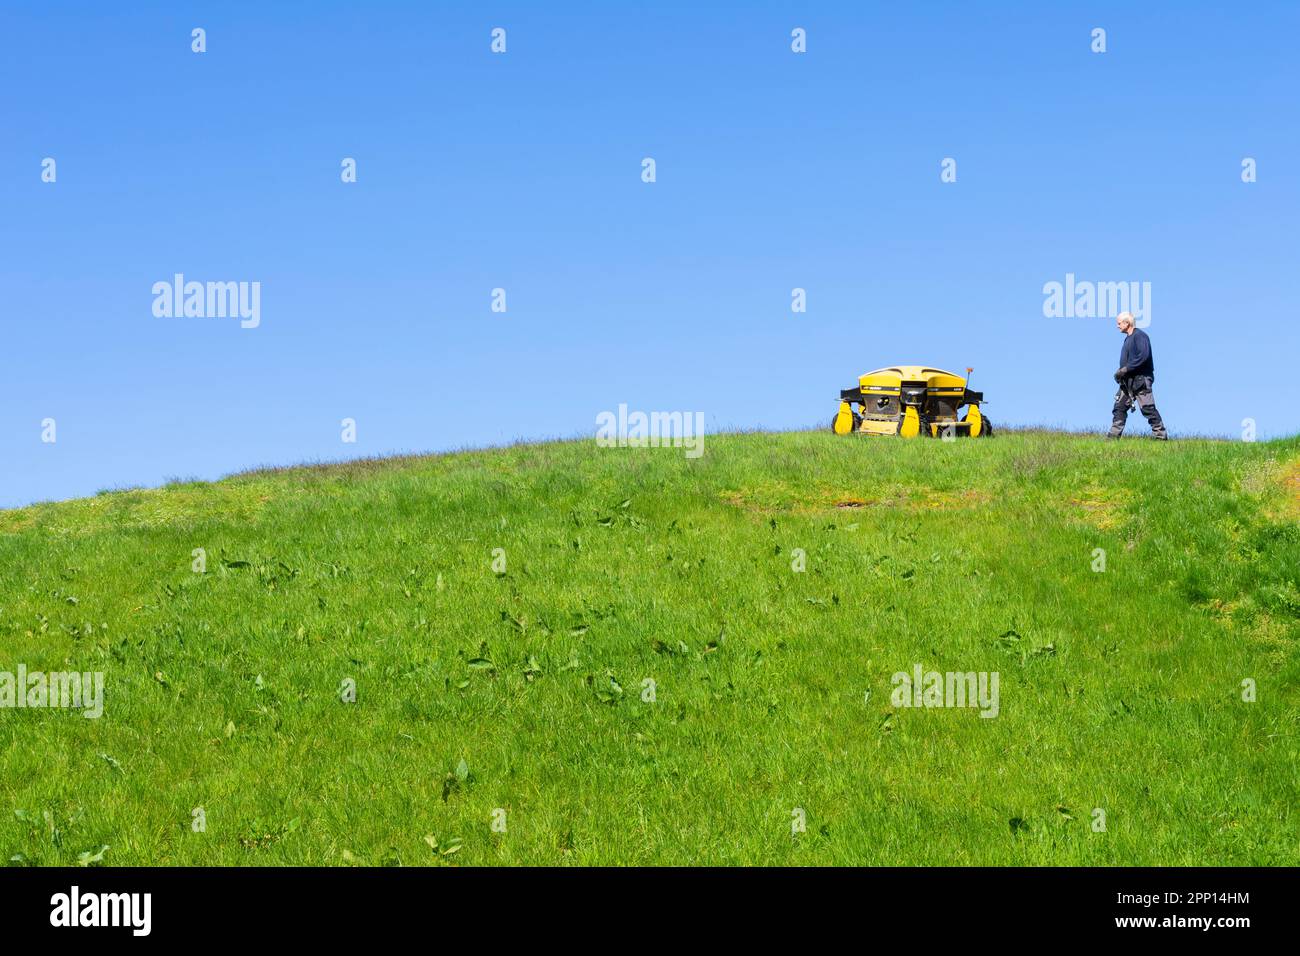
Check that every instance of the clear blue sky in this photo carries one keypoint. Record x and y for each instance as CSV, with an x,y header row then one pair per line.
x,y
523,171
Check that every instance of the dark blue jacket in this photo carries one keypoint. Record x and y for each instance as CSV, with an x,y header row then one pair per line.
x,y
1136,354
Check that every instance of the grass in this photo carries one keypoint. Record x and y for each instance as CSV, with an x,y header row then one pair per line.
x,y
523,691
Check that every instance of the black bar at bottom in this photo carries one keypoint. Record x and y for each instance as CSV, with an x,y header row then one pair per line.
x,y
332,905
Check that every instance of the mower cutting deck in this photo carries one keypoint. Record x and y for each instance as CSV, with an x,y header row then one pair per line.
x,y
911,400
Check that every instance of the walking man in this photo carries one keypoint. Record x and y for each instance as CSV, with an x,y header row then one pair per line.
x,y
1135,376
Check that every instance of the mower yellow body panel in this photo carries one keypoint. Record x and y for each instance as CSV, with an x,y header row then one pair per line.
x,y
894,376
911,401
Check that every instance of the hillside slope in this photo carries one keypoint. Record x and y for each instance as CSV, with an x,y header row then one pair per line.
x,y
518,701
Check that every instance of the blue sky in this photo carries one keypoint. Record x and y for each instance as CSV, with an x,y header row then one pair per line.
x,y
522,171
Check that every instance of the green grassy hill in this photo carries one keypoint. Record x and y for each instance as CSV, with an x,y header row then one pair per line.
x,y
525,691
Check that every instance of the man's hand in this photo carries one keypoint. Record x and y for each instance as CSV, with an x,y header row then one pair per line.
x,y
1121,374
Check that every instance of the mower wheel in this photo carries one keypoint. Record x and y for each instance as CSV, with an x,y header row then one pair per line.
x,y
857,423
986,428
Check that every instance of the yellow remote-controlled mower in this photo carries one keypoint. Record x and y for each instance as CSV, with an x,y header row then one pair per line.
x,y
911,400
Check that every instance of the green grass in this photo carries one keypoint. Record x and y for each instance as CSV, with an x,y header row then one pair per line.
x,y
1119,690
